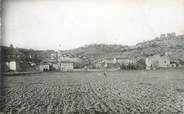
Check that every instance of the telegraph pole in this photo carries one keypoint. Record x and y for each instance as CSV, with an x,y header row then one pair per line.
x,y
58,57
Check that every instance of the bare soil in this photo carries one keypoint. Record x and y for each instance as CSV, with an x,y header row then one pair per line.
x,y
126,92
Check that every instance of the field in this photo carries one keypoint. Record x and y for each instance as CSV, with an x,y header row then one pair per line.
x,y
126,92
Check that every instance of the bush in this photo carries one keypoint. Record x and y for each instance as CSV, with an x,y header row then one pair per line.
x,y
140,64
128,67
123,66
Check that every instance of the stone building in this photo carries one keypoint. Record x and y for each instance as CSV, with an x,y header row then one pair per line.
x,y
11,66
126,61
66,66
113,62
44,66
157,61
67,61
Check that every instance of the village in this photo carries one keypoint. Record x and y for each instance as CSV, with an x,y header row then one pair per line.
x,y
22,60
67,63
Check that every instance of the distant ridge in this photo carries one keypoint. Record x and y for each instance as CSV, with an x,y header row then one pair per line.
x,y
172,44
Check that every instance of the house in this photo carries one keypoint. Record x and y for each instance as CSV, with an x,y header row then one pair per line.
x,y
104,62
113,62
53,56
44,66
126,61
157,61
11,66
110,60
66,57
98,65
66,66
67,61
19,66
55,66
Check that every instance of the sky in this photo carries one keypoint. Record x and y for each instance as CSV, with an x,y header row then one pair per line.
x,y
68,24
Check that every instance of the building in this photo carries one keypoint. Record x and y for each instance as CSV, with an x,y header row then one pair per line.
x,y
66,57
55,67
19,66
53,56
113,62
11,66
44,66
66,66
104,62
67,61
126,61
157,61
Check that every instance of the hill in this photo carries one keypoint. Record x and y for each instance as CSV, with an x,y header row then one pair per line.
x,y
170,43
97,51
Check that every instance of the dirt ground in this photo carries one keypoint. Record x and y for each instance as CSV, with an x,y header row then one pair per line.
x,y
123,92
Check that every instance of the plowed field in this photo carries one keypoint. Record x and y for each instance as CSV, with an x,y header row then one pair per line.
x,y
126,92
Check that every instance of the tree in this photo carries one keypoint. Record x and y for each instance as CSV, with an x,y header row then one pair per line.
x,y
140,64
123,66
11,46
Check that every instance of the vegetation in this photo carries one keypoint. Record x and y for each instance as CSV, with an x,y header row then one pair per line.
x,y
170,43
25,58
160,45
140,64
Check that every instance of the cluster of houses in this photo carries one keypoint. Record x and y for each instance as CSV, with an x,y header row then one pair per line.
x,y
60,62
113,62
159,61
56,66
151,62
67,62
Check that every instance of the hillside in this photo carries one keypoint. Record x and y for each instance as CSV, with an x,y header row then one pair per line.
x,y
172,44
22,54
95,51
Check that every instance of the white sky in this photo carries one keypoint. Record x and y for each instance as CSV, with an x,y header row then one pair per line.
x,y
46,24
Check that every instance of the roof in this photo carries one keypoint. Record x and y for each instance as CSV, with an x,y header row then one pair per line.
x,y
159,56
66,62
44,63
